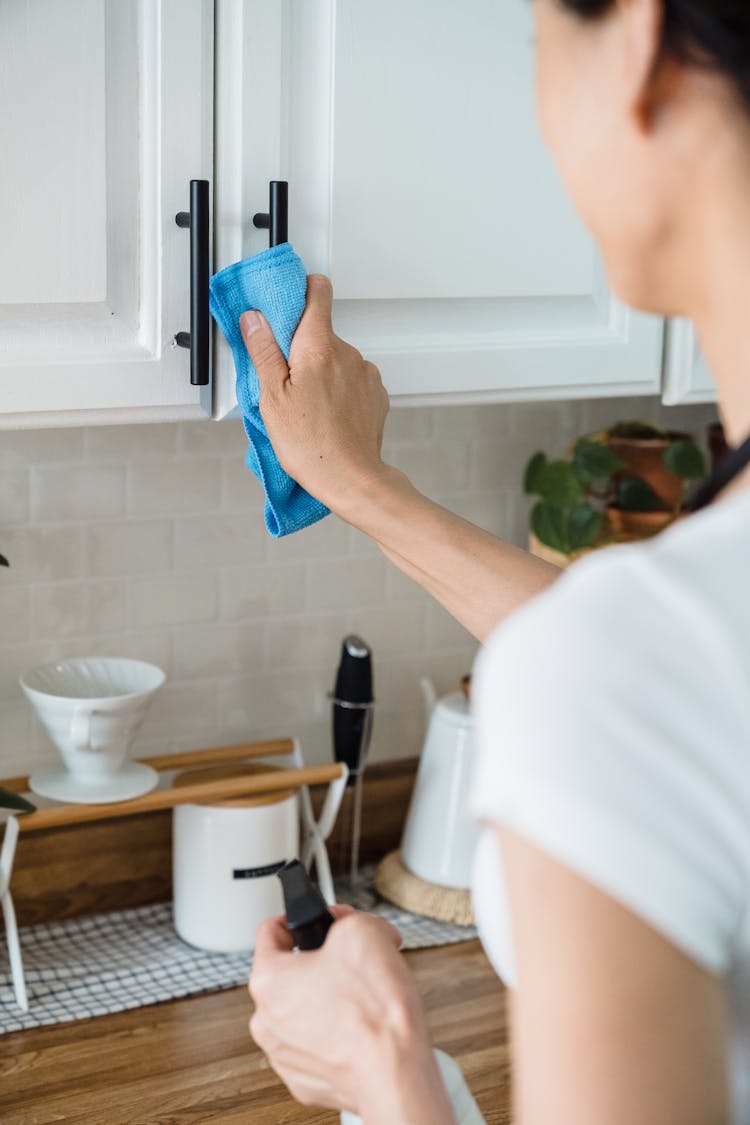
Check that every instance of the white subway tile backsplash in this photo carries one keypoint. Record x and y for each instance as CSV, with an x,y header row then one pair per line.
x,y
503,463
15,613
397,734
306,642
328,538
175,710
15,659
173,599
39,554
408,423
276,701
173,487
77,492
78,609
149,542
34,447
399,687
491,422
401,590
202,652
129,546
126,442
262,591
218,540
14,496
16,749
340,584
216,439
448,471
155,647
443,631
392,630
240,490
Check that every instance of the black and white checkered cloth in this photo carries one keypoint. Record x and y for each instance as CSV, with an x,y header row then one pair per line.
x,y
111,962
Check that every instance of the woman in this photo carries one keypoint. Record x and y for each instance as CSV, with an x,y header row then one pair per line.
x,y
614,708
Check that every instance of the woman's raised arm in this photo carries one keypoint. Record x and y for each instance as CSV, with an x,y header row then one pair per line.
x,y
325,411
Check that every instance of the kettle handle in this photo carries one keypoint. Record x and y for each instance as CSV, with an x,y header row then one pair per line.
x,y
429,695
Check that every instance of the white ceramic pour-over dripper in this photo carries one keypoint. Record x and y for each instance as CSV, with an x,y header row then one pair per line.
x,y
92,708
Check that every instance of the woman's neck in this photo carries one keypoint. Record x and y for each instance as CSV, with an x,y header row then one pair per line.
x,y
721,310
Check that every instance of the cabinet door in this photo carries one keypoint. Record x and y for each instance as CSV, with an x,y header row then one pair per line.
x,y
419,183
105,116
686,374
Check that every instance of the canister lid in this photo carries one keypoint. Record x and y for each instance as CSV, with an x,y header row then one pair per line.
x,y
221,773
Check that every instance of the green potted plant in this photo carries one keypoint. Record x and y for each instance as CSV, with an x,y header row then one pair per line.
x,y
624,483
8,800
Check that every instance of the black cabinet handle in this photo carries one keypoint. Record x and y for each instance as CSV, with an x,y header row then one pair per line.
x,y
198,339
276,219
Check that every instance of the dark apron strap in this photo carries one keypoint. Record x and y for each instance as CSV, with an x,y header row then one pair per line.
x,y
730,466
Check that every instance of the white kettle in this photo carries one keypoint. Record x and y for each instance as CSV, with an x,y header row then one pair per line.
x,y
440,835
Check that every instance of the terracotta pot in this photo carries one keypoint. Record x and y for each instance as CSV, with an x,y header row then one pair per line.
x,y
644,458
626,526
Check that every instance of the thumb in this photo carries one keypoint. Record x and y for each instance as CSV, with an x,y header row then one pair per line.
x,y
263,350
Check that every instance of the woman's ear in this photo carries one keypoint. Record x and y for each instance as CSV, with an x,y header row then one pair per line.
x,y
648,77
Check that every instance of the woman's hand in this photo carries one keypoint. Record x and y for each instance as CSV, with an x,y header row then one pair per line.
x,y
343,1026
325,410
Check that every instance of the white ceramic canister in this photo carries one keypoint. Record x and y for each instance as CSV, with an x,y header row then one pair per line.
x,y
224,858
440,834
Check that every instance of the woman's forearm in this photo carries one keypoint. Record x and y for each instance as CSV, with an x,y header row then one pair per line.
x,y
476,576
324,411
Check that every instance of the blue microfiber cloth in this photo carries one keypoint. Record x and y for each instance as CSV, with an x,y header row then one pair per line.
x,y
275,282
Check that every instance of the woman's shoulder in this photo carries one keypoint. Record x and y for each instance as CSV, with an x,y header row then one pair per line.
x,y
685,590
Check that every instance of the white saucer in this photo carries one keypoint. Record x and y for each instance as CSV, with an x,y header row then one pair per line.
x,y
131,780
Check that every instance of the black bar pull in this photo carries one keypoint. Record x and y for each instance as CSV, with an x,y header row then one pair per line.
x,y
198,339
276,220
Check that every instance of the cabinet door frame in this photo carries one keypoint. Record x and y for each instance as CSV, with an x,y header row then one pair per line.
x,y
687,378
508,350
116,360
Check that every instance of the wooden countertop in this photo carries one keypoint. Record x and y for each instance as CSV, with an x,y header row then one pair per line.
x,y
192,1060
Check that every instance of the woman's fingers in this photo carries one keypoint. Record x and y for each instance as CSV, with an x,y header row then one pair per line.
x,y
316,323
324,411
267,357
341,910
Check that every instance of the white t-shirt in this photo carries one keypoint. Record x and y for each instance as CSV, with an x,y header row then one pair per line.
x,y
614,733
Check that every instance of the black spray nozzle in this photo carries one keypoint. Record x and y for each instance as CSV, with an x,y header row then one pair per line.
x,y
354,674
307,915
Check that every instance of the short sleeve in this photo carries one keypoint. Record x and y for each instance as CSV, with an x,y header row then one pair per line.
x,y
608,737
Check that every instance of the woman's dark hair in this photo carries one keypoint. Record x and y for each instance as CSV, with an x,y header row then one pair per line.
x,y
713,33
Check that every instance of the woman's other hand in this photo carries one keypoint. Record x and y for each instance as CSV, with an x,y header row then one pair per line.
x,y
325,410
343,1026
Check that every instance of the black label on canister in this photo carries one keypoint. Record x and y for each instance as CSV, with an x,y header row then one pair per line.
x,y
257,872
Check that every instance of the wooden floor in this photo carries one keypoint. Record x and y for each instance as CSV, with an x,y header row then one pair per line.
x,y
193,1061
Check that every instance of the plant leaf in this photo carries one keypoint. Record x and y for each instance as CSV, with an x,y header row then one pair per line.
x,y
684,459
636,495
4,561
532,478
584,526
548,525
14,801
593,461
559,486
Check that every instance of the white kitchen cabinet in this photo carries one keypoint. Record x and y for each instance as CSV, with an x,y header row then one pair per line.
x,y
106,114
686,374
418,182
